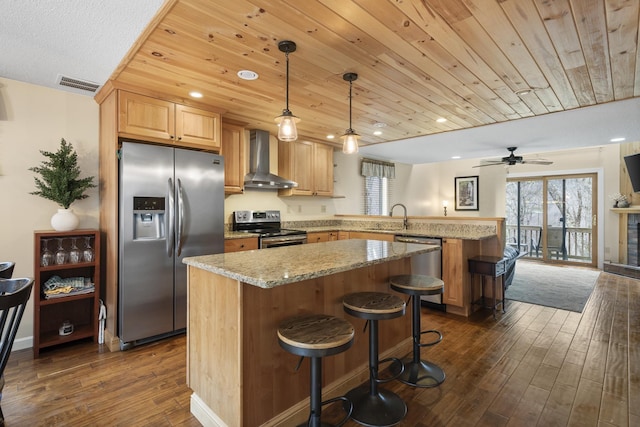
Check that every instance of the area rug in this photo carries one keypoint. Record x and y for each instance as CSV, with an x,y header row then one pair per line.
x,y
566,288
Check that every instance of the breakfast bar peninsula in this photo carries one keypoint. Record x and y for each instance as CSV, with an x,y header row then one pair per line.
x,y
238,373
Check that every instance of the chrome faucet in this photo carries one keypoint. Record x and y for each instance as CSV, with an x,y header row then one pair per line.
x,y
405,221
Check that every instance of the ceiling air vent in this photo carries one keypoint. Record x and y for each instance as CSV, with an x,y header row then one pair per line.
x,y
78,84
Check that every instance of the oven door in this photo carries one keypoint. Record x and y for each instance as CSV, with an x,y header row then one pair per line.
x,y
276,241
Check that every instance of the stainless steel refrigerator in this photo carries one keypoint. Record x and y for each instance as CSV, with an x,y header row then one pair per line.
x,y
171,205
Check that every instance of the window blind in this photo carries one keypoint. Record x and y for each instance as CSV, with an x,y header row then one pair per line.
x,y
378,186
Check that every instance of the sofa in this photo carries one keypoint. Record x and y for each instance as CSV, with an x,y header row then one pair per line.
x,y
511,255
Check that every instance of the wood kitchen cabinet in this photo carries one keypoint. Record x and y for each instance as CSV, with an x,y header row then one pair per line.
x,y
323,236
238,245
146,118
234,152
453,271
79,308
310,164
455,274
371,235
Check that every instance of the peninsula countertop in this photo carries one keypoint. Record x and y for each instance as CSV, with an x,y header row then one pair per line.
x,y
268,268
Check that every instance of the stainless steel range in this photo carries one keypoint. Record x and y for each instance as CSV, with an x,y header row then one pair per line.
x,y
268,226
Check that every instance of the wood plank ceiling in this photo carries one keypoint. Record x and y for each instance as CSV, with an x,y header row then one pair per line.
x,y
417,60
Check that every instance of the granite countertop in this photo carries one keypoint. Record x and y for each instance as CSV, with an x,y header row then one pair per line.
x,y
457,231
268,268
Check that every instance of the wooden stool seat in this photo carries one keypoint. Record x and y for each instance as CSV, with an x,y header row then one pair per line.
x,y
417,284
318,333
316,336
372,405
370,305
413,370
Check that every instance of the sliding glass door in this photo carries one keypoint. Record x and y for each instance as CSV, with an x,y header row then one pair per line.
x,y
552,218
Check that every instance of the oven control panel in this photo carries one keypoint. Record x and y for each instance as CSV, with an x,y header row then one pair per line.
x,y
248,217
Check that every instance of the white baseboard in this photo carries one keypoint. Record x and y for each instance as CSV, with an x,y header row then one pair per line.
x,y
22,343
204,414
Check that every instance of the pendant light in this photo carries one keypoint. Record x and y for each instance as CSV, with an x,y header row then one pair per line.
x,y
287,130
350,138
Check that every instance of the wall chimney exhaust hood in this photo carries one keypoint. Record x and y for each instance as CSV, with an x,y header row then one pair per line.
x,y
259,175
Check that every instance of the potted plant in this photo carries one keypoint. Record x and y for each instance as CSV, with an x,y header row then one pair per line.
x,y
59,182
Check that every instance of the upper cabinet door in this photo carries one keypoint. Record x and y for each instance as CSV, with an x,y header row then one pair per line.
x,y
198,127
233,151
144,116
302,166
323,169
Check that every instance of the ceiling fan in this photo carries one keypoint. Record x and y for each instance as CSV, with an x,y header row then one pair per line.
x,y
512,159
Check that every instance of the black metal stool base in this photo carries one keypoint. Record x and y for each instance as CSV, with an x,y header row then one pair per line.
x,y
385,408
419,374
321,425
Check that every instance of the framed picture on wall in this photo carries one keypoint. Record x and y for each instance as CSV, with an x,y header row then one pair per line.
x,y
466,191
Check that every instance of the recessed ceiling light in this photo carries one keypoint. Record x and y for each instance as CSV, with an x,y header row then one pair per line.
x,y
377,132
523,92
379,125
195,94
455,157
617,139
330,136
441,120
247,75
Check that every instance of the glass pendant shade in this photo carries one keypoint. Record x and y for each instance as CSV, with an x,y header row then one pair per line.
x,y
350,142
287,130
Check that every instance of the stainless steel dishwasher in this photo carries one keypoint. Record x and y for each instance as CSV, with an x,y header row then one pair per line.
x,y
429,264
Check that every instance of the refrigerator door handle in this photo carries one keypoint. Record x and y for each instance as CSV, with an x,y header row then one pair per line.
x,y
180,224
171,220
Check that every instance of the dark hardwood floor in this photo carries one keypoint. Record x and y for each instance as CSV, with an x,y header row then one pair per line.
x,y
533,366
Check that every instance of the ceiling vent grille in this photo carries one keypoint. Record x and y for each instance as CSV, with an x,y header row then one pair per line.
x,y
78,84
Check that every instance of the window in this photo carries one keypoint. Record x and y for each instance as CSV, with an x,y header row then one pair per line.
x,y
378,186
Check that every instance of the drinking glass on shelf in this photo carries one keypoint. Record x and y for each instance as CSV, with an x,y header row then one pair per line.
x,y
46,259
75,256
87,253
61,254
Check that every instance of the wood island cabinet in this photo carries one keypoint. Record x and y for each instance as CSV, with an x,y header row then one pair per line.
x,y
147,118
310,164
79,309
233,150
237,245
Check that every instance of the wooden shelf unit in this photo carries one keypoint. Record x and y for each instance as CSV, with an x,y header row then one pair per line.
x,y
80,309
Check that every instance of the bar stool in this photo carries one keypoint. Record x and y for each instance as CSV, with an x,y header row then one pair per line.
x,y
418,372
374,406
316,336
6,269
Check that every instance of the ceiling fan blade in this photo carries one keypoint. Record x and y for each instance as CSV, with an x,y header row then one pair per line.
x,y
537,162
495,163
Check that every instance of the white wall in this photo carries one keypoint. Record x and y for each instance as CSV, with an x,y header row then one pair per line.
x,y
34,118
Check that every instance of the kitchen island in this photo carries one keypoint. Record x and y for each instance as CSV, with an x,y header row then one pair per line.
x,y
238,373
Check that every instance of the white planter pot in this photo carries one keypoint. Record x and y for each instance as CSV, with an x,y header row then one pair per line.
x,y
64,220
